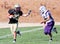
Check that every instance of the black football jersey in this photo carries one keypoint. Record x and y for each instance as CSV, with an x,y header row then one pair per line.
x,y
16,15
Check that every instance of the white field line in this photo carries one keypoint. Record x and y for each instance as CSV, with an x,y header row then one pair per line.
x,y
33,30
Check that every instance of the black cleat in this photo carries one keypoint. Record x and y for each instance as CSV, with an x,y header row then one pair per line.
x,y
55,30
51,39
18,32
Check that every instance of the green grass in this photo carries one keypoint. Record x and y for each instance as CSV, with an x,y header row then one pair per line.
x,y
35,37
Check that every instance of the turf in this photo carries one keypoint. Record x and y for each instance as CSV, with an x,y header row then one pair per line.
x,y
35,37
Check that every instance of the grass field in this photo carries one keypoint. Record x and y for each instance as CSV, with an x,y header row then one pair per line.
x,y
32,37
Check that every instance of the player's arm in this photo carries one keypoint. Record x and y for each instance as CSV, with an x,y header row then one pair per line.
x,y
28,13
46,19
10,15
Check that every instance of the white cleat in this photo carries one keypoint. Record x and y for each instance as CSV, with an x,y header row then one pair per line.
x,y
49,41
14,41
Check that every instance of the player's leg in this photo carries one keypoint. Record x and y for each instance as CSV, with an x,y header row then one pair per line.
x,y
11,28
50,36
50,26
48,29
55,30
14,32
18,32
48,33
14,36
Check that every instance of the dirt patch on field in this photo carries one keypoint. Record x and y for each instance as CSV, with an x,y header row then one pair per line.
x,y
34,5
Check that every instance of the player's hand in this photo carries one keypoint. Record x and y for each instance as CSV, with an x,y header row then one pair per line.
x,y
10,16
29,12
43,22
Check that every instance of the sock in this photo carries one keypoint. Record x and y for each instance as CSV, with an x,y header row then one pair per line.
x,y
14,39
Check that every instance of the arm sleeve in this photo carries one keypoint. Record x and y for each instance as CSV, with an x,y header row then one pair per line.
x,y
48,13
10,11
21,13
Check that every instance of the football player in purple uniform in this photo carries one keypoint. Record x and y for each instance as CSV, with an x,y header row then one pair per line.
x,y
47,20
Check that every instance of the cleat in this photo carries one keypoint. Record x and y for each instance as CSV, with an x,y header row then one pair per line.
x,y
50,40
18,32
55,30
14,41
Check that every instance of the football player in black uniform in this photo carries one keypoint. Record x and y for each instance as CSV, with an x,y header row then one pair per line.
x,y
13,16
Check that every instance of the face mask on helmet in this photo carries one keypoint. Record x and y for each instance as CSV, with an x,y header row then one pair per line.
x,y
17,7
42,9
